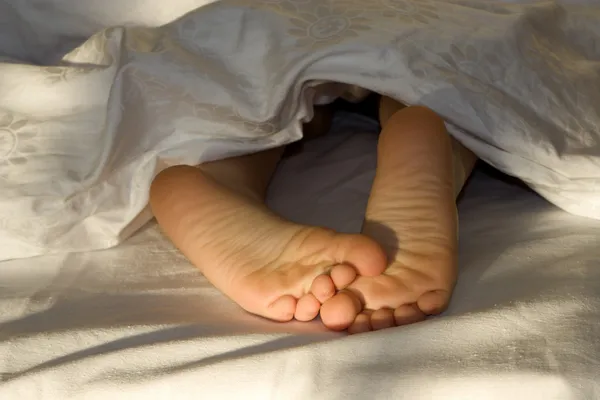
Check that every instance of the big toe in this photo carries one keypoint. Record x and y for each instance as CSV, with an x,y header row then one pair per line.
x,y
339,312
362,253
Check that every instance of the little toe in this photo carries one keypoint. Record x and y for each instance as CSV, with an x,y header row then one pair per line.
x,y
361,324
363,253
382,319
282,309
307,308
339,312
342,275
323,288
408,314
435,302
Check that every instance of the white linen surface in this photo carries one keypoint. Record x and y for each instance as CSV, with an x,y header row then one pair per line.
x,y
81,140
138,322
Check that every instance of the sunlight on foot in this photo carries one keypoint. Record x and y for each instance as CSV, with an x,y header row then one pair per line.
x,y
286,279
399,296
268,265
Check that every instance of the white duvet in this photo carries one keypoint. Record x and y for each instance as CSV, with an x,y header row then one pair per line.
x,y
80,140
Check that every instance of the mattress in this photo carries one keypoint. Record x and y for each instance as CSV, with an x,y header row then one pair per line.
x,y
138,321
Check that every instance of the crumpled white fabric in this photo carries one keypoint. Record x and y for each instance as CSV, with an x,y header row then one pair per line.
x,y
517,81
139,322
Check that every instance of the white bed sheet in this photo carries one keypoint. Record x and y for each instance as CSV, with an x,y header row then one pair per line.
x,y
138,321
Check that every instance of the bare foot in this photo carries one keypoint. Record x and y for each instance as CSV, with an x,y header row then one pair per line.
x,y
282,270
412,214
269,266
414,286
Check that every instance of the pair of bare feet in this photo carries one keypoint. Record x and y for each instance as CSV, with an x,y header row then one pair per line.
x,y
401,268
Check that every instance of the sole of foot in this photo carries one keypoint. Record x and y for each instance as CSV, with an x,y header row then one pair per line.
x,y
407,292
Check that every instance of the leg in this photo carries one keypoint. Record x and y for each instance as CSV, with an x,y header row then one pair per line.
x,y
412,214
216,216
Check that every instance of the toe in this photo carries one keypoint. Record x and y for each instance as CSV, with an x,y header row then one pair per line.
x,y
433,303
323,288
382,319
282,309
339,312
307,308
342,275
408,314
362,253
361,324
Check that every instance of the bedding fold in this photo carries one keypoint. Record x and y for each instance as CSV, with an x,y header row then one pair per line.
x,y
80,141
